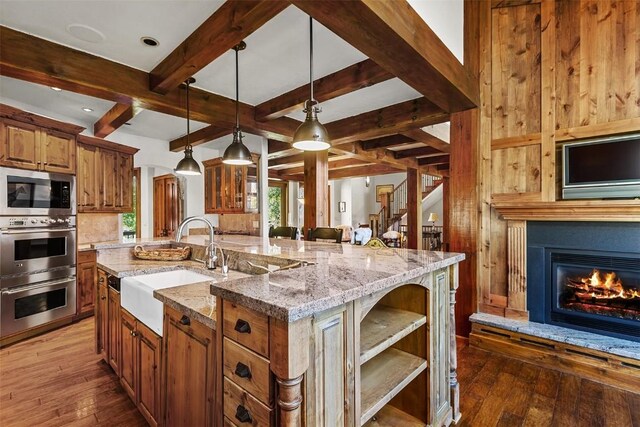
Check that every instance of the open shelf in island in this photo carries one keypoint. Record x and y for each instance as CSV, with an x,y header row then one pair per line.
x,y
390,416
384,326
384,376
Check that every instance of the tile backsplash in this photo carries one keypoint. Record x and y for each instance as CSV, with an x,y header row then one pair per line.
x,y
98,227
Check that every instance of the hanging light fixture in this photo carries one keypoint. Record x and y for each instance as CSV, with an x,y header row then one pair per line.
x,y
237,153
311,135
188,166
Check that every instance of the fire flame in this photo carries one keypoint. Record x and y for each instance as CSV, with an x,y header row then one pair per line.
x,y
596,287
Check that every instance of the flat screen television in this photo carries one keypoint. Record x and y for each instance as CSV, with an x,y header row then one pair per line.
x,y
602,168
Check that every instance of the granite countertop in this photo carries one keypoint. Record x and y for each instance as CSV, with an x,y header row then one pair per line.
x,y
338,273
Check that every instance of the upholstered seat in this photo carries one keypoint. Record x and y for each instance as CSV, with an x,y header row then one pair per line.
x,y
283,232
325,233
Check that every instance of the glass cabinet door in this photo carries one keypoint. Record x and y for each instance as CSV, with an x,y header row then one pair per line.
x,y
218,188
251,189
238,191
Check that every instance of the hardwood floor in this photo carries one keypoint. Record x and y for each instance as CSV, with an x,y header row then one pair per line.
x,y
57,380
500,391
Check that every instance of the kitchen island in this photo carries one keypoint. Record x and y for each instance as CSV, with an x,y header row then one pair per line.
x,y
332,335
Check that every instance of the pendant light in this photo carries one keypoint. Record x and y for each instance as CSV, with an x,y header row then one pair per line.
x,y
237,153
311,135
188,166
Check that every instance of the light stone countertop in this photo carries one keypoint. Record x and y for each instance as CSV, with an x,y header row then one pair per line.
x,y
340,272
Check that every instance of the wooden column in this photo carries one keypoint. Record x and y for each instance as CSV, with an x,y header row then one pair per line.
x,y
316,188
414,209
289,353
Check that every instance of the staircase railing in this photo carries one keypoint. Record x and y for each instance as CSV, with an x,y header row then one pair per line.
x,y
398,200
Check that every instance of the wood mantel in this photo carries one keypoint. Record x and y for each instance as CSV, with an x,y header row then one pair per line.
x,y
574,210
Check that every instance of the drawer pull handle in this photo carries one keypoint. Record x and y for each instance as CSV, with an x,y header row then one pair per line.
x,y
103,297
101,280
243,415
243,327
185,320
243,370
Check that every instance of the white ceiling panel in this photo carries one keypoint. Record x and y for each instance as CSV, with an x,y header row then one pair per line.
x,y
159,126
122,22
276,59
42,100
368,99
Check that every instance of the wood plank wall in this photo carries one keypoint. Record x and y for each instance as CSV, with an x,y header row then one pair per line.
x,y
550,71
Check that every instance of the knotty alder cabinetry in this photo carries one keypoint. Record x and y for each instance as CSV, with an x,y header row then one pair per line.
x,y
86,287
28,141
230,188
105,176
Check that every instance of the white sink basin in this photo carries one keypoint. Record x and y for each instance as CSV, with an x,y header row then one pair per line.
x,y
136,294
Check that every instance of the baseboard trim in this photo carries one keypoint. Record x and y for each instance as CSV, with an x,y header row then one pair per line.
x,y
599,366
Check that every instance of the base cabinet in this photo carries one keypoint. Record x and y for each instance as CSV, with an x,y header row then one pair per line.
x,y
113,350
189,371
85,294
102,316
140,366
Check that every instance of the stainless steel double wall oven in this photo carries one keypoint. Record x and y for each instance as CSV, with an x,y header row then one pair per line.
x,y
37,249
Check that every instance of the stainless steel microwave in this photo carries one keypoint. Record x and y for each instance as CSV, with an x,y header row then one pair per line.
x,y
24,192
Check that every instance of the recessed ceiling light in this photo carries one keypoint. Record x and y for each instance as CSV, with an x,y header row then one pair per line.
x,y
149,41
57,89
87,109
86,33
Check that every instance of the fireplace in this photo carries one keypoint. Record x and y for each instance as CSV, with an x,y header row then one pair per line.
x,y
585,276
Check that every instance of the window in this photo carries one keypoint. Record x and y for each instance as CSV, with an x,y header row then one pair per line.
x,y
277,203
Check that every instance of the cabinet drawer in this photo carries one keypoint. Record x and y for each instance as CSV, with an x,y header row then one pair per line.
x,y
247,327
86,256
242,408
247,369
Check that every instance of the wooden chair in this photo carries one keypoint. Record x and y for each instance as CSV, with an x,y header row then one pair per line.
x,y
326,233
374,242
283,232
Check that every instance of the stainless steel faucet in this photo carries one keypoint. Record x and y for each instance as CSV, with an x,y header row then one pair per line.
x,y
210,262
211,252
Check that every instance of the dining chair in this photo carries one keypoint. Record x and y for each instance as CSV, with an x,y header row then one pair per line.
x,y
283,232
325,233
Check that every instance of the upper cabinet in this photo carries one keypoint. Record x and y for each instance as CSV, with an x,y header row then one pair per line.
x,y
230,188
105,176
28,141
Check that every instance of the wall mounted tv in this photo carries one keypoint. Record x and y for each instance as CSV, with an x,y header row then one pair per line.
x,y
602,168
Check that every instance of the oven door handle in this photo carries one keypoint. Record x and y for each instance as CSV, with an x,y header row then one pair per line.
x,y
36,286
38,230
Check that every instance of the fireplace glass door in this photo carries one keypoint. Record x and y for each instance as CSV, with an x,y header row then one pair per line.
x,y
597,292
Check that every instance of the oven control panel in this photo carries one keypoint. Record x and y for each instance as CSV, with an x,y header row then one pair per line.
x,y
10,222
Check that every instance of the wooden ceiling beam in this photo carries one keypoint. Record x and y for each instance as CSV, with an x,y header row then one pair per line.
x,y
117,116
40,61
335,165
428,139
357,76
362,171
199,137
224,29
386,121
416,152
379,156
275,146
394,36
387,142
436,160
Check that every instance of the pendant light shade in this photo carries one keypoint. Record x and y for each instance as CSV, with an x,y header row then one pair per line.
x,y
311,135
237,153
188,165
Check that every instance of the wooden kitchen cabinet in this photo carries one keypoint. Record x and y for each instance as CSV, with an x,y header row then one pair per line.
x,y
27,146
140,366
102,316
189,387
230,188
114,350
105,176
86,286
